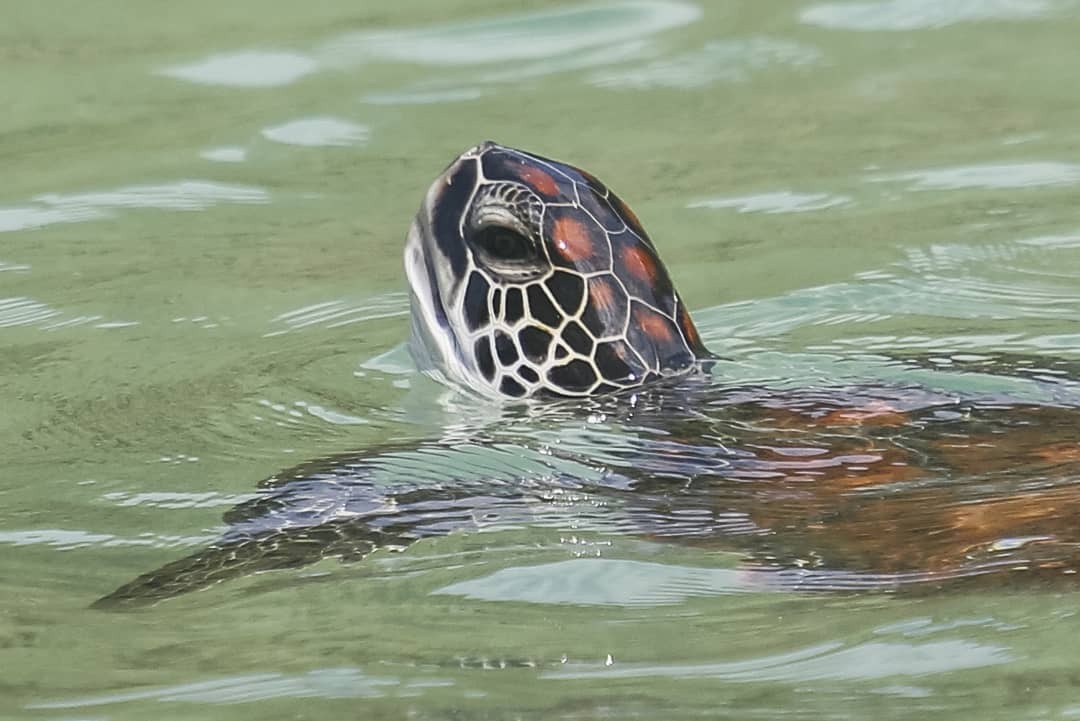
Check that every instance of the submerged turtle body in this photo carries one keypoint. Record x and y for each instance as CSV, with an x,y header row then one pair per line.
x,y
530,278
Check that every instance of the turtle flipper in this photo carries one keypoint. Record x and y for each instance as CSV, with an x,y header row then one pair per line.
x,y
226,560
337,511
234,557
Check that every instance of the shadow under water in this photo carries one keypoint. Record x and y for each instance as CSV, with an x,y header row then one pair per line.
x,y
881,488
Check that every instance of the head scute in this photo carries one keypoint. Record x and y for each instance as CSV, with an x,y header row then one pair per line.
x,y
529,276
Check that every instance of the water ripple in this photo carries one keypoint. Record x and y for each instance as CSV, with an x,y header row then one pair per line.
x,y
545,41
602,582
724,60
247,69
1027,278
827,661
783,201
27,218
22,311
338,313
920,14
334,683
225,154
988,176
561,32
187,195
66,540
318,131
424,97
176,499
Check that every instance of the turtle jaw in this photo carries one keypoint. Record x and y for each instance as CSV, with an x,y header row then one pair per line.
x,y
432,342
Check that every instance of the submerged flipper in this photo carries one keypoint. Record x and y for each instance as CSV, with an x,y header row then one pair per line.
x,y
333,508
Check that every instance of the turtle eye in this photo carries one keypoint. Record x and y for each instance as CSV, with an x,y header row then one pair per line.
x,y
503,243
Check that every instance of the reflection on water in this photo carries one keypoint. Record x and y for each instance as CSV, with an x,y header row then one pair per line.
x,y
990,176
50,208
727,60
22,311
920,14
1027,278
225,154
338,313
68,540
250,69
873,660
421,97
783,201
557,33
321,131
603,582
325,683
551,33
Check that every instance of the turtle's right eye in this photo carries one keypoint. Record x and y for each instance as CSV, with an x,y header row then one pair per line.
x,y
501,243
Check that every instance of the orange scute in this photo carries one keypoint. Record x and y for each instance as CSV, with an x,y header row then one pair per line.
x,y
539,181
572,239
655,325
639,263
601,292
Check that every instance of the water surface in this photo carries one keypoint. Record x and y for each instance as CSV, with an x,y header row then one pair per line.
x,y
200,286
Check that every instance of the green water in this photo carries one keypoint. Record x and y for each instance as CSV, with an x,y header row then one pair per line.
x,y
196,291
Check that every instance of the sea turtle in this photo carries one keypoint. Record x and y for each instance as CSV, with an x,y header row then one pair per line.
x,y
530,278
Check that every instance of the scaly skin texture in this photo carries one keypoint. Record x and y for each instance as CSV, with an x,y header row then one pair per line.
x,y
572,298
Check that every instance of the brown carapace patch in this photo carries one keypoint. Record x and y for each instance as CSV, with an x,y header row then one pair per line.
x,y
639,263
573,240
602,292
1068,452
539,181
1036,439
874,413
654,325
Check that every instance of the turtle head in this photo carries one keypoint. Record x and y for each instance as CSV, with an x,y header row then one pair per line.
x,y
528,275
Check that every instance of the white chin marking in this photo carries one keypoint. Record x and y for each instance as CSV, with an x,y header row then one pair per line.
x,y
431,342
